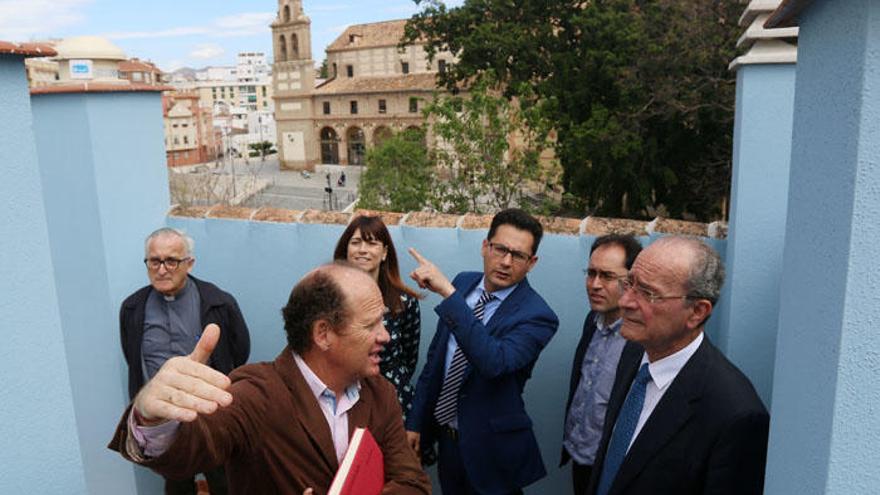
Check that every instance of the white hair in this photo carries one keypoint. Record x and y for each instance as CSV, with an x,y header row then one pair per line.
x,y
188,243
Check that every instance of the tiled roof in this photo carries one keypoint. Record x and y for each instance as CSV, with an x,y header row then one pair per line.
x,y
425,81
374,35
99,87
137,65
27,49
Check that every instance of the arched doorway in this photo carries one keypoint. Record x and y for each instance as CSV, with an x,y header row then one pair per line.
x,y
294,46
357,146
381,134
329,146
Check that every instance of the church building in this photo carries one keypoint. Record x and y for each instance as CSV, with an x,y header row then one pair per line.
x,y
374,89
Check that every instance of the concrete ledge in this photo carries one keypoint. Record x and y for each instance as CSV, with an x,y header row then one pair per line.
x,y
277,215
430,219
600,226
234,212
388,217
590,226
680,227
327,217
560,225
188,211
472,221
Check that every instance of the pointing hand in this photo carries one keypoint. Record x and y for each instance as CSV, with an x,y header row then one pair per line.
x,y
428,276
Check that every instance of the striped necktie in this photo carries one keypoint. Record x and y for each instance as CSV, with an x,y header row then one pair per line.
x,y
447,402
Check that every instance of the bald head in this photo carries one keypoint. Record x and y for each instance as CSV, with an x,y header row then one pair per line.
x,y
324,293
700,266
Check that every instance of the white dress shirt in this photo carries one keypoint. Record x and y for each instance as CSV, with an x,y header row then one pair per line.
x,y
663,373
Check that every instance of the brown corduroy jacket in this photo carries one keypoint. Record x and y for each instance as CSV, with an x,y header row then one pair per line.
x,y
274,438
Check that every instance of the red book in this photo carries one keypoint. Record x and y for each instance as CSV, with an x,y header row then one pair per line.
x,y
362,471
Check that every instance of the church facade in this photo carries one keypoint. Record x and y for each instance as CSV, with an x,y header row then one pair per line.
x,y
374,89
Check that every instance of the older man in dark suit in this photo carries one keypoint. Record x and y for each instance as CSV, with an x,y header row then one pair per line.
x,y
682,419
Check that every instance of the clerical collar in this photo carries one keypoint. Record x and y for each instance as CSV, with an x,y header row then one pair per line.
x,y
174,297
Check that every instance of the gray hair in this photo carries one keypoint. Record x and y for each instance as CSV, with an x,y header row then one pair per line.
x,y
188,243
706,271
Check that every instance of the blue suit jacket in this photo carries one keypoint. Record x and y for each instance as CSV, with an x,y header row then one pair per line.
x,y
498,447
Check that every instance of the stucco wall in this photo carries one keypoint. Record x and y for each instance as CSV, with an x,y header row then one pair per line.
x,y
105,188
38,423
824,429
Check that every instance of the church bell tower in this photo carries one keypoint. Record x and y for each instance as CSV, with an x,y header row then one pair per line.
x,y
293,80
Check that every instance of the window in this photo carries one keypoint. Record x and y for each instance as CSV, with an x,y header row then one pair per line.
x,y
264,91
413,105
174,126
441,66
382,106
184,125
326,108
137,76
351,38
404,67
354,107
349,70
185,139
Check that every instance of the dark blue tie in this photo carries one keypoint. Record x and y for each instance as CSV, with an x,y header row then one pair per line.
x,y
624,429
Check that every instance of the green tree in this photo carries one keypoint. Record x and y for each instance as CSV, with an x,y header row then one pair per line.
x,y
324,71
488,150
638,91
398,175
262,148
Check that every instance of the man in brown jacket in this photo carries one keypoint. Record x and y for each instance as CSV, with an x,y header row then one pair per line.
x,y
280,427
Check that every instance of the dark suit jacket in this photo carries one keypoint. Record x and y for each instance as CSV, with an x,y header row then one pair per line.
x,y
707,435
217,307
274,438
498,447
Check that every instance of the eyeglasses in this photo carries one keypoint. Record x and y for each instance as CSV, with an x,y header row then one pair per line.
x,y
501,251
626,283
602,274
171,264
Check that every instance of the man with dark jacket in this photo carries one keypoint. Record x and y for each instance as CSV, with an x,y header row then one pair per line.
x,y
597,355
165,319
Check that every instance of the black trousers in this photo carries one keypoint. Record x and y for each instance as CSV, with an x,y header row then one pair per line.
x,y
450,468
216,479
580,477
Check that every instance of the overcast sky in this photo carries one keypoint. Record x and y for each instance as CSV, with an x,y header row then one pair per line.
x,y
191,33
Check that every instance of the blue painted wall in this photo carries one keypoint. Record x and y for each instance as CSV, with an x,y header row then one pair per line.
x,y
41,448
260,262
104,189
749,308
824,429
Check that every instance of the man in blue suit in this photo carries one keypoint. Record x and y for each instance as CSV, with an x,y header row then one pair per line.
x,y
492,328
